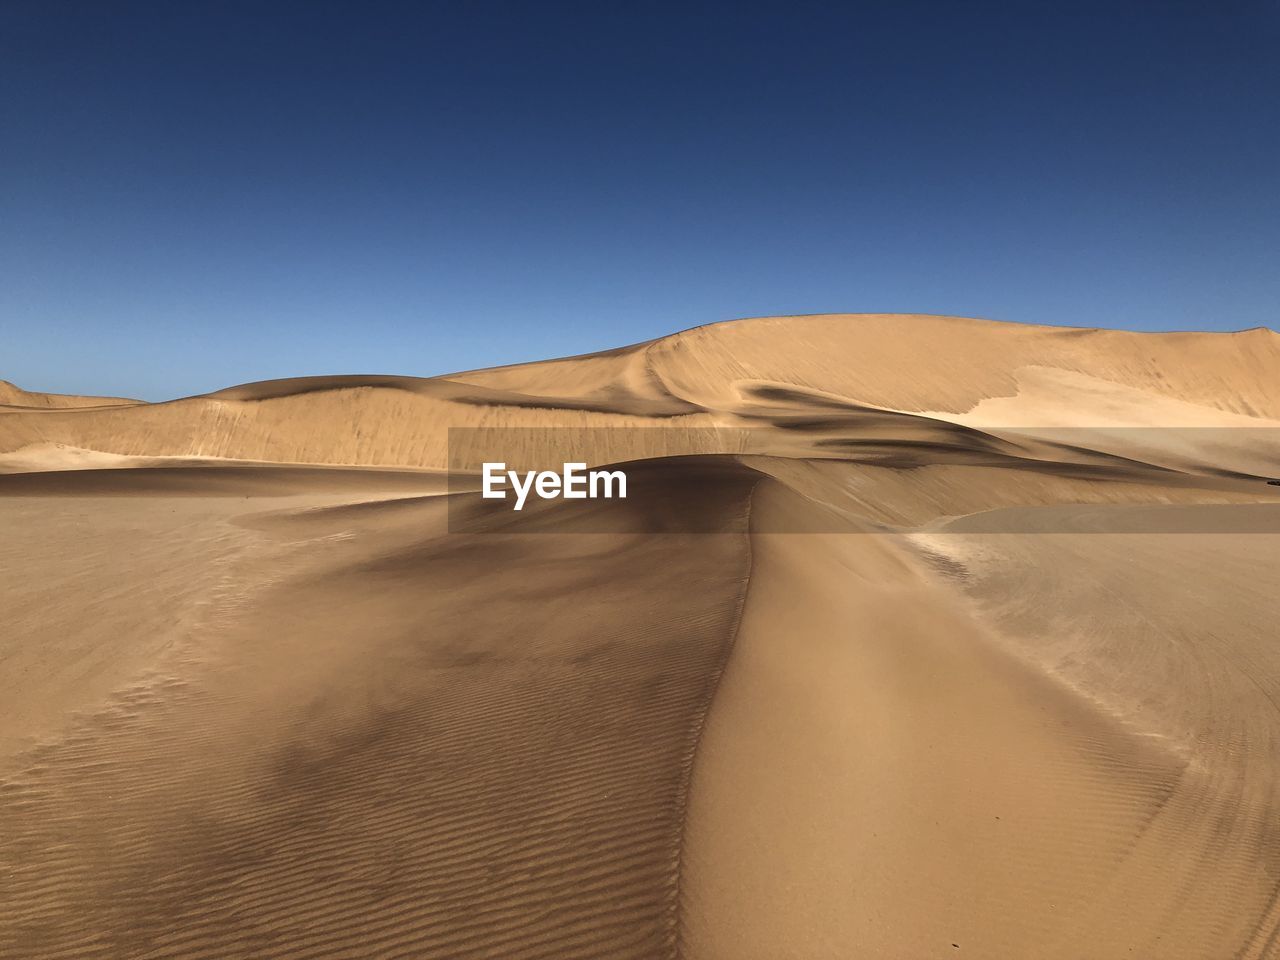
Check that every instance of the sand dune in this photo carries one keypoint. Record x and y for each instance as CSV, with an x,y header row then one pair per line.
x,y
915,637
11,395
978,373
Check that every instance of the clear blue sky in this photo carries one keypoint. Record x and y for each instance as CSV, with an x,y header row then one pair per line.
x,y
196,194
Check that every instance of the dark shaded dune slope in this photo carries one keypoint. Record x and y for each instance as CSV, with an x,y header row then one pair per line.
x,y
494,764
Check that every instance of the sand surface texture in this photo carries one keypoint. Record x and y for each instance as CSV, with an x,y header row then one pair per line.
x,y
916,637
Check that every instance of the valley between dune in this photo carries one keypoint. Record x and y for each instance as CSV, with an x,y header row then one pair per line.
x,y
916,637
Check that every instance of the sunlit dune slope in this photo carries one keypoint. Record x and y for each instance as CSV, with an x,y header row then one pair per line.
x,y
951,364
1051,746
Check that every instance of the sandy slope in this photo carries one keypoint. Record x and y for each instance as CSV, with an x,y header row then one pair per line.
x,y
959,642
1083,766
412,744
12,395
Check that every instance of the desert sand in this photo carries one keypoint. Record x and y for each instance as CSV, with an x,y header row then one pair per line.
x,y
917,637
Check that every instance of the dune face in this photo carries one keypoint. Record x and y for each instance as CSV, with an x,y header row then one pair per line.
x,y
914,637
14,396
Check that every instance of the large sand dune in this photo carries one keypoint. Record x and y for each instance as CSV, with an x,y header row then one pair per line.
x,y
916,637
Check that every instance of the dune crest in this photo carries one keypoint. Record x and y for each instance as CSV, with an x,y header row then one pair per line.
x,y
11,395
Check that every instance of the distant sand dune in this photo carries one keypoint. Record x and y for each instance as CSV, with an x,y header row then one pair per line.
x,y
12,395
710,376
